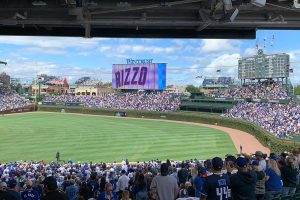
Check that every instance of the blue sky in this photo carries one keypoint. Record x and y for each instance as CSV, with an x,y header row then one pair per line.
x,y
76,57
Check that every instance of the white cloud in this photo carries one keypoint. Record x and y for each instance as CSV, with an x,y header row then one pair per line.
x,y
148,40
218,45
179,42
194,69
40,50
83,53
51,42
189,70
295,60
227,63
294,55
105,48
196,59
250,52
116,57
121,49
26,70
141,49
174,70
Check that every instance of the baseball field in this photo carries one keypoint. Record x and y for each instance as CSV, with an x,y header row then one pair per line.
x,y
38,136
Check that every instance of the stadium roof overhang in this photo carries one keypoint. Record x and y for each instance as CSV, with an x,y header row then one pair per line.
x,y
149,19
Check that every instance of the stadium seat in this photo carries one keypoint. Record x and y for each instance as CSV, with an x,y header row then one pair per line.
x,y
296,196
287,198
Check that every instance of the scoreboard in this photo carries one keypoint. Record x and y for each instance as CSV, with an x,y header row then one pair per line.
x,y
263,66
141,76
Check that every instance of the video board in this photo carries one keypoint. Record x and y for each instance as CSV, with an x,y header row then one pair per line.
x,y
147,76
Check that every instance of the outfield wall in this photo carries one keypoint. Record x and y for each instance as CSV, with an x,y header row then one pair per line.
x,y
276,145
29,108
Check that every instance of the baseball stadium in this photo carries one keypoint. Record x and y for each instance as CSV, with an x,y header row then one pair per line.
x,y
224,125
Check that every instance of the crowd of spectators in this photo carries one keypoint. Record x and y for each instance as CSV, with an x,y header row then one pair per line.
x,y
10,99
161,101
282,120
255,91
217,81
255,176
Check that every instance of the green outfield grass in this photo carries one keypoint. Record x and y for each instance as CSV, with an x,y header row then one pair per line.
x,y
37,136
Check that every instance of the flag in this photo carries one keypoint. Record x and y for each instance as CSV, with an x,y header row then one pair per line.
x,y
257,44
273,40
218,70
65,82
265,40
291,70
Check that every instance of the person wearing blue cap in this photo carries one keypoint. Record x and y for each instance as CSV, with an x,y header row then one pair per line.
x,y
216,186
208,167
243,182
198,182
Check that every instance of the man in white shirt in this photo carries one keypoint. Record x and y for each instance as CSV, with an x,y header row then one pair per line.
x,y
163,186
123,181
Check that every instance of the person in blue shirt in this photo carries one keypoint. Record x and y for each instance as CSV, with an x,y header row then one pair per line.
x,y
93,186
273,180
108,194
198,182
66,182
216,186
29,193
72,190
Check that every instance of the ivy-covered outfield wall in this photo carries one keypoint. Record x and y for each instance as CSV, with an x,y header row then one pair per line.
x,y
276,145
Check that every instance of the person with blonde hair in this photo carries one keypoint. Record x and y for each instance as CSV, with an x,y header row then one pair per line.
x,y
273,180
108,194
289,173
125,195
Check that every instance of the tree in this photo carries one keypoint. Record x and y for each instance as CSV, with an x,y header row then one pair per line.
x,y
170,86
297,90
17,87
192,89
107,84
